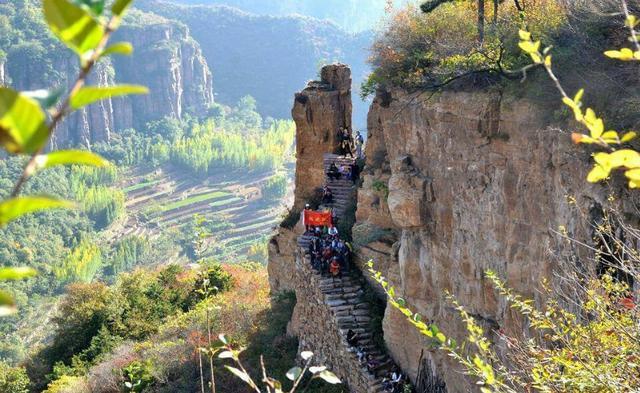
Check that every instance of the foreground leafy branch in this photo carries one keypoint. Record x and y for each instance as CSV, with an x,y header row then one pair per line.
x,y
297,375
614,157
28,120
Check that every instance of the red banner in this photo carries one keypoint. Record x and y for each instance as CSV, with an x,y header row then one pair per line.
x,y
317,219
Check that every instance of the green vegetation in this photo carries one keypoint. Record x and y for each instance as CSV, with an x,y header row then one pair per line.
x,y
93,318
444,45
13,379
275,187
234,139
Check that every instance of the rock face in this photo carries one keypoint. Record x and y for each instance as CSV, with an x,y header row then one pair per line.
x,y
455,184
241,48
474,181
282,258
319,111
166,60
170,63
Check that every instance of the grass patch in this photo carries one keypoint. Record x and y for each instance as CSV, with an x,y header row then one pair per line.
x,y
197,199
139,186
225,202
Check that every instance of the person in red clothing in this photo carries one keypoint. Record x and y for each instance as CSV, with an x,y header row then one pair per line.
x,y
334,267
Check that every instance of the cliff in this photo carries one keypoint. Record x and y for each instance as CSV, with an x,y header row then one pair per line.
x,y
166,59
242,48
319,111
455,184
476,181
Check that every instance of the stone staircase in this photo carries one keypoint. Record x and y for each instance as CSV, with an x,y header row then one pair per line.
x,y
342,300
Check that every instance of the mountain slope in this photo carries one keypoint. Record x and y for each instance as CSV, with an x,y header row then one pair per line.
x,y
267,57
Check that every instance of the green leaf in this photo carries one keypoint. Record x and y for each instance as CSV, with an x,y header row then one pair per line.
x,y
294,373
306,355
91,94
70,157
74,26
317,369
223,339
329,377
119,48
240,374
22,123
120,6
16,273
11,209
7,304
226,355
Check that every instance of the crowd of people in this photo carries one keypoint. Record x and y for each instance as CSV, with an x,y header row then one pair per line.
x,y
347,172
331,256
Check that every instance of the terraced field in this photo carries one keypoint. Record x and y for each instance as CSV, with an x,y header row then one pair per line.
x,y
164,199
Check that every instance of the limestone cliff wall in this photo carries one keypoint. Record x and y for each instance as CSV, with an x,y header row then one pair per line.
x,y
455,184
467,181
319,111
166,60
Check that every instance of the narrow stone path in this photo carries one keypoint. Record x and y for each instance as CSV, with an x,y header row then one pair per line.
x,y
344,297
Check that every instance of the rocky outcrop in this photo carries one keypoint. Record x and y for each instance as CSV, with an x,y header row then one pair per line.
x,y
282,258
166,60
170,63
3,72
319,111
474,181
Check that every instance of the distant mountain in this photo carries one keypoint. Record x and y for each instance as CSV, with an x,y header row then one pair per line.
x,y
166,59
352,15
268,57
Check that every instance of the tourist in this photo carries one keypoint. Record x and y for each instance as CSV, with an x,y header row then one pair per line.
x,y
307,208
334,267
361,354
347,149
352,338
314,252
359,140
387,385
327,255
327,195
372,364
333,173
345,172
355,172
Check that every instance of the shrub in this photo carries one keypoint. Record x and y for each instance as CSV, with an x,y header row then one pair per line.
x,y
291,219
137,376
13,379
68,384
426,49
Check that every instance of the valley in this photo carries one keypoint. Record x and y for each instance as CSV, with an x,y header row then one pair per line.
x,y
239,215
